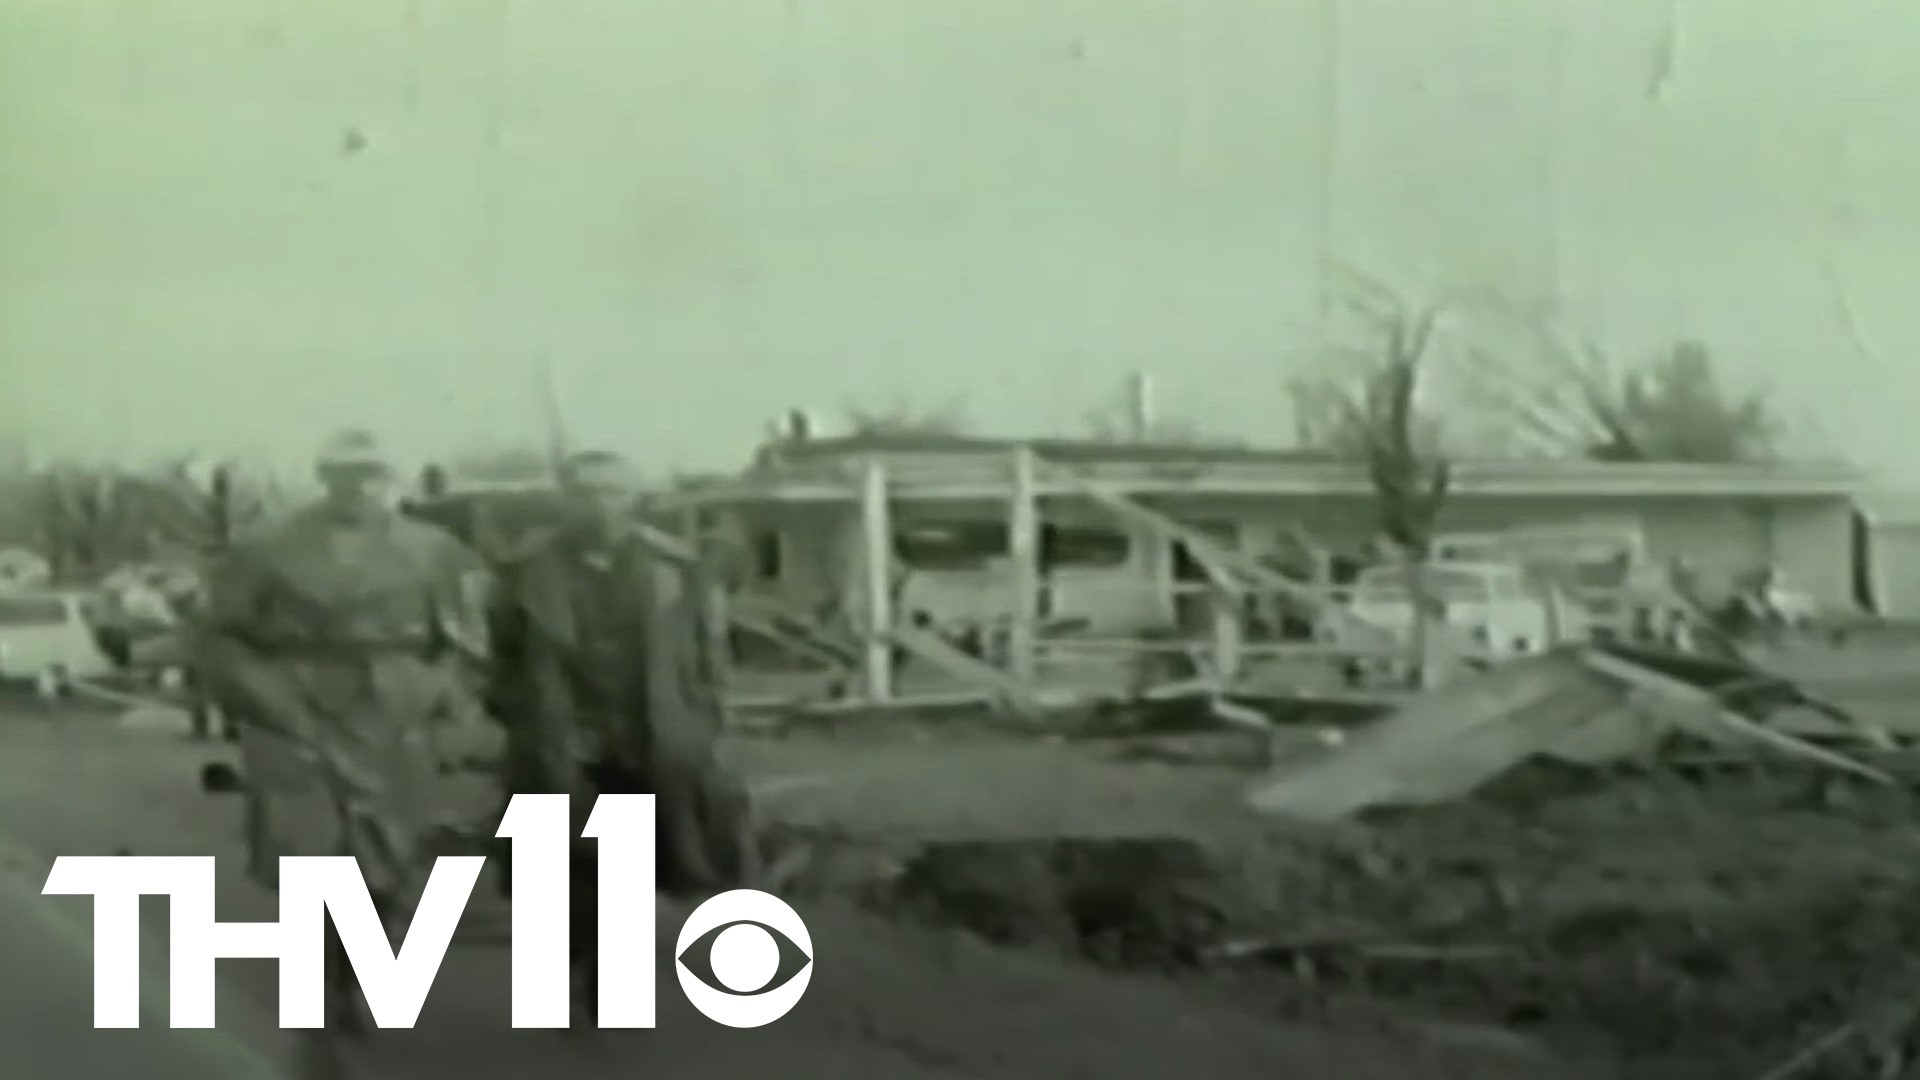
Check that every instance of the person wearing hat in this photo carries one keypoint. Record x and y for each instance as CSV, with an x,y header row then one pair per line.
x,y
327,636
605,681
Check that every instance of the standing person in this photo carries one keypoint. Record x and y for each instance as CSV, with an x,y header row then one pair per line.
x,y
223,510
606,683
326,637
220,530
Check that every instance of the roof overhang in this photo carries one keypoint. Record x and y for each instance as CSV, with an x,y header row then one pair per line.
x,y
972,481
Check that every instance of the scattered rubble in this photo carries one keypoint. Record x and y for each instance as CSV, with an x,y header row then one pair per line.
x,y
1704,925
1579,704
1623,860
1616,864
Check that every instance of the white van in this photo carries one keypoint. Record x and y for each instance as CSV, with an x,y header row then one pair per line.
x,y
46,641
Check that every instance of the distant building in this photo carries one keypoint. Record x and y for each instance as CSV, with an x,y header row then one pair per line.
x,y
801,501
1887,548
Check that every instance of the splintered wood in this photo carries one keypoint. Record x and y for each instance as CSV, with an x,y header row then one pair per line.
x,y
1579,704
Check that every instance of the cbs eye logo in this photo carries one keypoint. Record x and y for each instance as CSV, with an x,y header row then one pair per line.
x,y
744,958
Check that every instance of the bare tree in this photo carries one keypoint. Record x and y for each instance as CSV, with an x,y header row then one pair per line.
x,y
221,499
1675,409
76,517
1322,419
1372,413
1574,402
88,519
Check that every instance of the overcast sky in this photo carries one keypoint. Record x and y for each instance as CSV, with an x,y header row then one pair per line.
x,y
239,223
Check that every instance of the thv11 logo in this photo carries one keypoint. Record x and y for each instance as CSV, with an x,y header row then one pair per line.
x,y
744,958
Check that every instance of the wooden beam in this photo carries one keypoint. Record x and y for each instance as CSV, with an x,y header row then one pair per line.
x,y
1224,565
1009,691
794,619
797,636
1023,549
756,614
1266,650
715,618
1701,711
1229,570
973,477
1229,635
717,621
1220,563
876,530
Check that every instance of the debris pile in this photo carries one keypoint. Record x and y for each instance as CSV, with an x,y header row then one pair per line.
x,y
1708,925
1580,847
1735,915
1584,705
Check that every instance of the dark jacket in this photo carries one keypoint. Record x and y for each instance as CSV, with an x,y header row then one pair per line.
x,y
604,683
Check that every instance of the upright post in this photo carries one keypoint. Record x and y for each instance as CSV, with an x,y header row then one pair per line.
x,y
1023,550
221,495
1140,407
708,574
876,530
1228,613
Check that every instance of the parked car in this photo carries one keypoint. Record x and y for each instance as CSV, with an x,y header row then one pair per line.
x,y
1603,566
1499,607
47,642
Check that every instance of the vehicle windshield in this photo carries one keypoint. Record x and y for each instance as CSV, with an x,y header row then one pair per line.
x,y
23,611
1388,585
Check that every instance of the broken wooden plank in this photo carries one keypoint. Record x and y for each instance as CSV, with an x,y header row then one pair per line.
x,y
1023,552
876,533
1226,567
939,652
1688,705
1441,744
796,635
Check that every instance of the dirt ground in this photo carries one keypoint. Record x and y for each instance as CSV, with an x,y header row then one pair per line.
x,y
1685,922
1689,922
889,998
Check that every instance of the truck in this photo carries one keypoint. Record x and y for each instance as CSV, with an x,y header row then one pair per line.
x,y
1603,569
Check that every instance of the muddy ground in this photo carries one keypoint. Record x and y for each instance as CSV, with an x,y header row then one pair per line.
x,y
890,998
1688,921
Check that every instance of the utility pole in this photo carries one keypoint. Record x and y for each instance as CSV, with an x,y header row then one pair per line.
x,y
1140,407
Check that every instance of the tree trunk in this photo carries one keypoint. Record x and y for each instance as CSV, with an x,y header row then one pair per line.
x,y
1421,674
